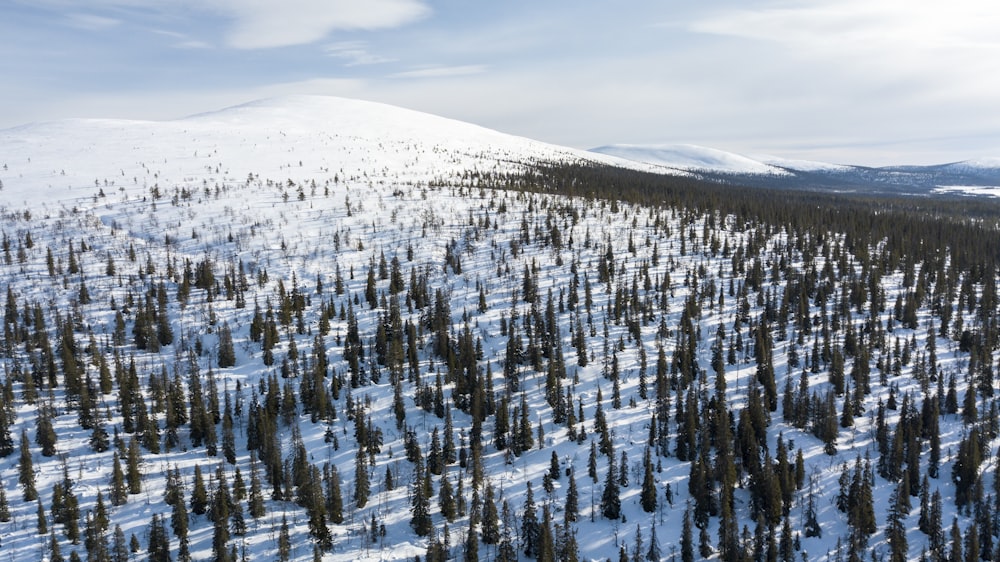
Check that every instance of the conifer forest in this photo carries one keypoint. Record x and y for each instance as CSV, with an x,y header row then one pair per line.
x,y
289,342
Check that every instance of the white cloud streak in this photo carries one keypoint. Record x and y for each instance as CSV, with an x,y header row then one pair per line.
x,y
91,22
441,71
261,24
355,53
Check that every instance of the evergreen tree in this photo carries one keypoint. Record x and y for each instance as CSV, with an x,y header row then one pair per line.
x,y
256,499
895,529
648,495
610,499
687,540
491,520
118,492
284,541
226,353
119,547
361,487
572,505
199,495
530,527
159,542
471,552
26,471
420,509
133,474
446,499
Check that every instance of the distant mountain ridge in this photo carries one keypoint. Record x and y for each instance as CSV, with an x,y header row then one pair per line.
x,y
978,177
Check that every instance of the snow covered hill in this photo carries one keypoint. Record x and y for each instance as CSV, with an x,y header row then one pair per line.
x,y
292,137
691,158
314,327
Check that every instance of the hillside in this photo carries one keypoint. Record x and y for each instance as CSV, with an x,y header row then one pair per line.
x,y
311,327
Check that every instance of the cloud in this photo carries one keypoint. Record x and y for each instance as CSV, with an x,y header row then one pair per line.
x,y
441,71
355,53
893,32
91,22
182,41
261,24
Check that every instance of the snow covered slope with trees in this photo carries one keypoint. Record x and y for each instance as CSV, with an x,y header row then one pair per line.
x,y
318,328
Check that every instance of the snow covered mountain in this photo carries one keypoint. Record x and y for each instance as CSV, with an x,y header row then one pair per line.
x,y
292,136
690,157
970,178
314,327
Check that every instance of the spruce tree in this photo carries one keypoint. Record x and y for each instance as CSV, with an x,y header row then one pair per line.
x,y
361,487
420,508
133,474
610,498
26,471
284,541
687,540
648,495
490,518
199,495
226,352
530,527
118,492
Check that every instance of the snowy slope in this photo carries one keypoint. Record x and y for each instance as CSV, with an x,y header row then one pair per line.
x,y
690,157
306,191
291,137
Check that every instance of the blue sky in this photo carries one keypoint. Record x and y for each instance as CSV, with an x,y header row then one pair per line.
x,y
852,81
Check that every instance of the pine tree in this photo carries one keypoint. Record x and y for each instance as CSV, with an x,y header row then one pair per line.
x,y
530,527
199,495
610,499
284,541
26,472
133,474
41,522
119,547
4,507
687,540
334,499
226,352
895,529
118,492
420,509
506,551
256,500
446,499
228,438
159,542
648,496
45,434
361,486
471,552
491,521
572,505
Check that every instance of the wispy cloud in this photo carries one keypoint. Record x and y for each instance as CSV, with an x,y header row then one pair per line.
x,y
355,53
91,22
260,24
182,40
442,71
847,27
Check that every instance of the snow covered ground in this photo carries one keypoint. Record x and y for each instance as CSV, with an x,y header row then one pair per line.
x,y
300,188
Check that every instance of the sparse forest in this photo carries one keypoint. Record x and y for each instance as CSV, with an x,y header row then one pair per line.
x,y
549,361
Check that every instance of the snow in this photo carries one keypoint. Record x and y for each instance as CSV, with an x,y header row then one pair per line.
x,y
803,165
976,190
691,158
297,186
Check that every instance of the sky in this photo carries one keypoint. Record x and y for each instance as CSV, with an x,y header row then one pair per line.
x,y
871,82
